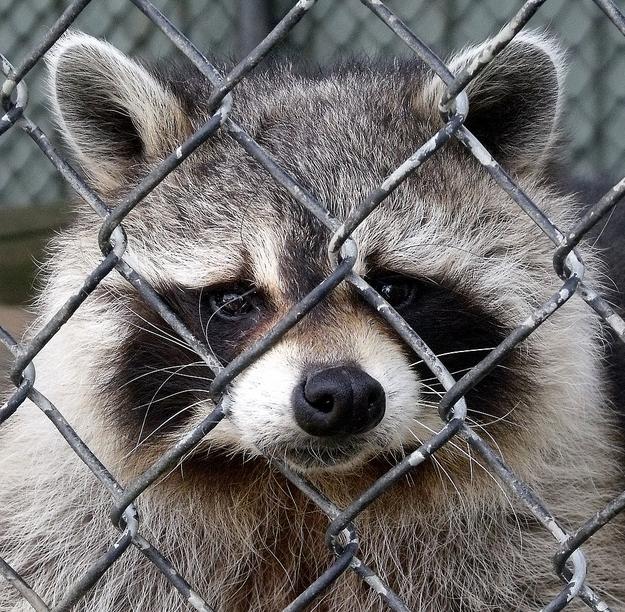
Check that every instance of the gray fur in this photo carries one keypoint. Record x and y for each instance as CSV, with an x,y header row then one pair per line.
x,y
449,537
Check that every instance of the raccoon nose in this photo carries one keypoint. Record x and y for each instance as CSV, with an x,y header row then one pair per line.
x,y
338,400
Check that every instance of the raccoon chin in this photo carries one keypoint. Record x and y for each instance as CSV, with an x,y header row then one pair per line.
x,y
335,456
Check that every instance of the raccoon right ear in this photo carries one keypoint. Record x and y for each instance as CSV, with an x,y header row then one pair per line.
x,y
514,102
112,112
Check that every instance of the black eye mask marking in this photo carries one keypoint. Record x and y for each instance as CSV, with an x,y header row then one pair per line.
x,y
461,333
157,376
160,378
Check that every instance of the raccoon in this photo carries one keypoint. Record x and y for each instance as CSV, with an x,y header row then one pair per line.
x,y
340,397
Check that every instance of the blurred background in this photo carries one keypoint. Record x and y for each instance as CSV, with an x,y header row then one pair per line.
x,y
33,198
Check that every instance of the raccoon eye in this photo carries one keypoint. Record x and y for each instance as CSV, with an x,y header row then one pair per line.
x,y
398,291
234,303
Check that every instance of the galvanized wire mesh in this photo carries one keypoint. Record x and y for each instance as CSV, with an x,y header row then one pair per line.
x,y
569,562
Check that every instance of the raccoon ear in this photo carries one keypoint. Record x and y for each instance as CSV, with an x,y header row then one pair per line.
x,y
112,112
514,102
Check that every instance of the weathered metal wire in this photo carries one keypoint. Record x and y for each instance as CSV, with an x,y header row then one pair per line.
x,y
341,536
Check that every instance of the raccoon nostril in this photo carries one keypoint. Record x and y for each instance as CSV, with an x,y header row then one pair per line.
x,y
338,401
376,397
325,403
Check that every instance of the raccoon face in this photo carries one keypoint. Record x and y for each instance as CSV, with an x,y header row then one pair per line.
x,y
231,252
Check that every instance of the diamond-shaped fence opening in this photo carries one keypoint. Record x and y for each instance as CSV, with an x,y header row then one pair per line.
x,y
19,64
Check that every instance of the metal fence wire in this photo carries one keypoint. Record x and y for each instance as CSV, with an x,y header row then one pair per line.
x,y
569,561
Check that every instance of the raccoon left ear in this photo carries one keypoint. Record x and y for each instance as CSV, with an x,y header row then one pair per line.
x,y
514,103
112,112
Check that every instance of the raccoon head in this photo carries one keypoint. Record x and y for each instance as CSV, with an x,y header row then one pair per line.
x,y
231,251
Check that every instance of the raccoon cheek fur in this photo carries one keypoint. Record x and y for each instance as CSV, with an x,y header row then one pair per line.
x,y
462,264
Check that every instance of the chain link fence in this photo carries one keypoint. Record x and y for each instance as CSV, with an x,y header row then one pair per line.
x,y
16,125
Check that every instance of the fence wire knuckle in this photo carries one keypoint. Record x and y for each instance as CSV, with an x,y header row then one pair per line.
x,y
341,537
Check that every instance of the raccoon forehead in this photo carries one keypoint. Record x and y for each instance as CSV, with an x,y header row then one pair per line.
x,y
278,247
214,259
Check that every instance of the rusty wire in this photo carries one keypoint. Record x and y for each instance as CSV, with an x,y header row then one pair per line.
x,y
569,562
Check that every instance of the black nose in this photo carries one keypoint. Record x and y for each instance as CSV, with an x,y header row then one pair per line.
x,y
338,400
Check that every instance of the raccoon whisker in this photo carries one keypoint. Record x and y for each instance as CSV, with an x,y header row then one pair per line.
x,y
166,397
166,369
163,334
148,405
453,373
173,367
141,442
431,404
497,419
439,355
605,225
490,436
152,400
463,370
432,389
192,376
169,419
160,332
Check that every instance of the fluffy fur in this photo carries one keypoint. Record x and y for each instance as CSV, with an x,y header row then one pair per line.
x,y
449,537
